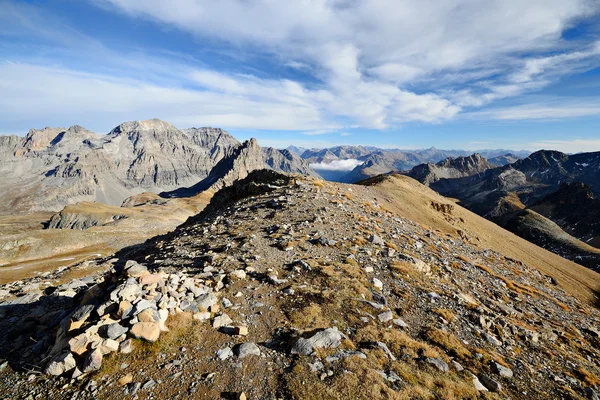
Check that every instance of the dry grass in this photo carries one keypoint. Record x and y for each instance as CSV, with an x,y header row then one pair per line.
x,y
448,342
445,313
587,377
391,245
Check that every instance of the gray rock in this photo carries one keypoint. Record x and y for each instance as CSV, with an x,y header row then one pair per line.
x,y
221,320
113,331
328,338
92,362
376,240
385,316
400,322
246,349
501,370
225,353
437,363
135,269
61,364
478,385
491,384
205,301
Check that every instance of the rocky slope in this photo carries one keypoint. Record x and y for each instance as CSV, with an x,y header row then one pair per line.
x,y
575,209
450,168
502,194
504,159
53,167
296,288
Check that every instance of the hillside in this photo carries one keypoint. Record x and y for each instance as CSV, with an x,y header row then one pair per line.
x,y
290,287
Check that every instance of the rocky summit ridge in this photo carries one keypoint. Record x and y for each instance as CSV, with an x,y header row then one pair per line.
x,y
291,287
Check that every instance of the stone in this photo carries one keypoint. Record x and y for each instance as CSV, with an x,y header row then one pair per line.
x,y
400,322
206,301
113,331
328,338
457,366
385,316
501,370
224,354
240,330
247,349
226,303
125,380
126,291
492,339
148,331
377,283
221,320
241,396
151,279
437,363
491,384
61,364
163,315
149,315
202,316
143,305
149,384
125,309
79,344
80,316
376,240
478,385
238,274
108,346
92,362
135,269
126,346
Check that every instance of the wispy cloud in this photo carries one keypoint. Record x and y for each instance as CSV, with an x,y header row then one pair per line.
x,y
567,146
542,111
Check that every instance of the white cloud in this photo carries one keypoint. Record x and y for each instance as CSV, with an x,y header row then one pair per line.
x,y
62,97
337,165
567,146
541,111
367,57
365,51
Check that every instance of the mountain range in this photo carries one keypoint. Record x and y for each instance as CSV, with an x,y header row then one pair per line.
x,y
53,167
548,197
371,161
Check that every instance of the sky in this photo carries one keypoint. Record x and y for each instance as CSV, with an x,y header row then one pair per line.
x,y
454,74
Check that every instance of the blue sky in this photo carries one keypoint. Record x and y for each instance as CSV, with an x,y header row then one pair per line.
x,y
468,74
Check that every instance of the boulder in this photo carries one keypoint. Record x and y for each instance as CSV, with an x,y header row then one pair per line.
x,y
92,362
246,349
328,338
61,364
148,331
